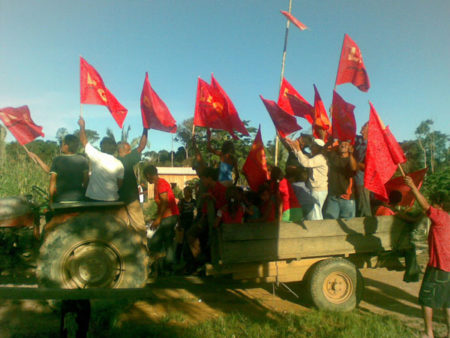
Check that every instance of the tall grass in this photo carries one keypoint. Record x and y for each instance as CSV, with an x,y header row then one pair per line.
x,y
19,173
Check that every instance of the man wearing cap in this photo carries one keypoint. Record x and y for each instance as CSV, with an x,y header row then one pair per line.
x,y
318,173
342,168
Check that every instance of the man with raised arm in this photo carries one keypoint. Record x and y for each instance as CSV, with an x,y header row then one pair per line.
x,y
68,172
342,169
435,290
128,192
106,170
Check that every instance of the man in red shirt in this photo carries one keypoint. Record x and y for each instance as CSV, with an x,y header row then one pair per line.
x,y
435,289
162,240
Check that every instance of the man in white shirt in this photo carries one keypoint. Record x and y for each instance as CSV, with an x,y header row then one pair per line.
x,y
318,174
106,170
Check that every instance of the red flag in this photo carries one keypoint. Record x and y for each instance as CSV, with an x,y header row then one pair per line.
x,y
301,108
321,119
397,153
294,20
255,166
94,91
344,124
210,108
284,123
19,122
235,121
292,102
155,114
397,183
351,66
381,164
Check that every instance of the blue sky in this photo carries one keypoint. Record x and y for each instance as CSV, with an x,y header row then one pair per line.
x,y
405,45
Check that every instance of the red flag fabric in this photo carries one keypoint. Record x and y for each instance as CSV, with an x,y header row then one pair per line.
x,y
321,119
397,153
380,163
255,166
19,123
397,183
301,108
235,121
292,102
210,108
155,114
284,123
294,20
351,66
344,124
94,91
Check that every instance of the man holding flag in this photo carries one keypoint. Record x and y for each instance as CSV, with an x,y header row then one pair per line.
x,y
435,289
106,171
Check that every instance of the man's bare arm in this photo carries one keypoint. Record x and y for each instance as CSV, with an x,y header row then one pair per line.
x,y
209,146
353,163
83,137
143,141
52,186
420,198
162,207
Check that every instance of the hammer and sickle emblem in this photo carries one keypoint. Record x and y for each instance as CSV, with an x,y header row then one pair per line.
x,y
147,102
218,107
102,94
286,91
354,56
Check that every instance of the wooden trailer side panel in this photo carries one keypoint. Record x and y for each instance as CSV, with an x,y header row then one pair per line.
x,y
246,243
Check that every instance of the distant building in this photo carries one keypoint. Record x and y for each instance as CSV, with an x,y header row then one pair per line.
x,y
177,175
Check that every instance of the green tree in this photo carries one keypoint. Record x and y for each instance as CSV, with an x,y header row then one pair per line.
x,y
60,134
433,145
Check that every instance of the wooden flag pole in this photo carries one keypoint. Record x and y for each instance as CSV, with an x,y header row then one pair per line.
x,y
81,105
283,63
401,170
28,153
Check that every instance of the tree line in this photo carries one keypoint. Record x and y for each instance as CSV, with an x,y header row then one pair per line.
x,y
429,149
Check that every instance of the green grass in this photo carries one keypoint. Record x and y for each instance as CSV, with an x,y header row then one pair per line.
x,y
19,173
308,324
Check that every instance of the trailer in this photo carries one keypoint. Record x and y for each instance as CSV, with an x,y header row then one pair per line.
x,y
326,254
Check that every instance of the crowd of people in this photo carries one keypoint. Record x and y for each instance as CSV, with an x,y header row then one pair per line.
x,y
323,179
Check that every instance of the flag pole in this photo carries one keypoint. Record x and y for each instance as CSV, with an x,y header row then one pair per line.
x,y
28,153
401,170
81,105
171,153
339,62
283,63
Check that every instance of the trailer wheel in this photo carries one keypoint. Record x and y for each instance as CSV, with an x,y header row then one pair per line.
x,y
92,250
335,284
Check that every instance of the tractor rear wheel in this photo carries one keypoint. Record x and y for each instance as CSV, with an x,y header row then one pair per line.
x,y
93,250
